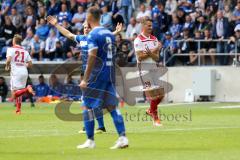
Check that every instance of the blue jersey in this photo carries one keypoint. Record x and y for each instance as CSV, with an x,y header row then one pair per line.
x,y
41,90
56,90
102,39
82,40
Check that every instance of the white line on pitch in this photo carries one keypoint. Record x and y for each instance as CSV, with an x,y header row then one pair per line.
x,y
227,107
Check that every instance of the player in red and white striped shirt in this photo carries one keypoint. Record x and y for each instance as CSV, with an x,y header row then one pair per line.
x,y
18,60
147,51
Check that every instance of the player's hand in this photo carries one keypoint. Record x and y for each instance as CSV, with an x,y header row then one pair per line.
x,y
83,84
119,27
52,20
7,68
147,51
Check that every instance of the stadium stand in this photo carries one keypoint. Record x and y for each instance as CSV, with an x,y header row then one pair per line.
x,y
184,28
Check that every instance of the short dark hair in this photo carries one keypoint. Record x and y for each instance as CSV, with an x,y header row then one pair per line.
x,y
17,39
41,76
159,3
95,12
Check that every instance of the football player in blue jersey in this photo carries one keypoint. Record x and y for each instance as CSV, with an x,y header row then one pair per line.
x,y
82,39
98,84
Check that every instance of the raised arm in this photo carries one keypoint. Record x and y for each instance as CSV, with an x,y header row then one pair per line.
x,y
53,21
118,29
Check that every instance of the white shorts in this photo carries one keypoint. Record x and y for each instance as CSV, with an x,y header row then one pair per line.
x,y
18,81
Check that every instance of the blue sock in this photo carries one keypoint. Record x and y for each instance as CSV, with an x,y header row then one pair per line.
x,y
118,122
89,123
98,112
100,122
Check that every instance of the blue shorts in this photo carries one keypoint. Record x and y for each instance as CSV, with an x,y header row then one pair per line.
x,y
100,94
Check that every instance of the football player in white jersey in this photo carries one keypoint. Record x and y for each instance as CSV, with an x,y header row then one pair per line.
x,y
147,51
18,60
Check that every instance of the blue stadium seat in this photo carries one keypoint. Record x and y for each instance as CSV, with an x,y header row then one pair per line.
x,y
46,59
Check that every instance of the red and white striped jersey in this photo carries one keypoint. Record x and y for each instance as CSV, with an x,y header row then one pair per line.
x,y
142,42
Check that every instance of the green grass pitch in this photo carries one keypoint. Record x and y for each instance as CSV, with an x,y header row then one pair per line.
x,y
202,131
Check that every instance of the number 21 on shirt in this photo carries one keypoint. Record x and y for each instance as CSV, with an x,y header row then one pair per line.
x,y
19,57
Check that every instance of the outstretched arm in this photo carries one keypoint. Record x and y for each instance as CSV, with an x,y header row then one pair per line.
x,y
53,21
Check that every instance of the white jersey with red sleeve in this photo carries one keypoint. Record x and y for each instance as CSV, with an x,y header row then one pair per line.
x,y
142,42
19,72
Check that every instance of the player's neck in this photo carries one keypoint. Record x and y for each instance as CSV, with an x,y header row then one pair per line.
x,y
146,34
16,46
94,25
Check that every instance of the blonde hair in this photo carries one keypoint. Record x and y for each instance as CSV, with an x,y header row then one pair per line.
x,y
17,39
145,20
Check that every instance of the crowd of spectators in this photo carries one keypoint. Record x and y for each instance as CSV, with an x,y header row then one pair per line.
x,y
180,25
3,89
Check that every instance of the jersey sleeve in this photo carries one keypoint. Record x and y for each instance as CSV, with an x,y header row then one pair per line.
x,y
78,38
9,52
138,45
92,42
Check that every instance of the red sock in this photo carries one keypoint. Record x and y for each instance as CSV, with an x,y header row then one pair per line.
x,y
18,104
154,104
20,92
153,108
